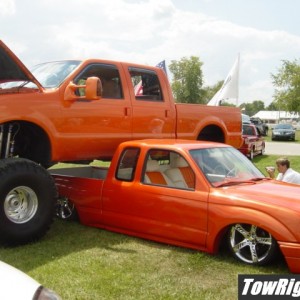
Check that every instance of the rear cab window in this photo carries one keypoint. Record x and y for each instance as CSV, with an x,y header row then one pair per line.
x,y
127,164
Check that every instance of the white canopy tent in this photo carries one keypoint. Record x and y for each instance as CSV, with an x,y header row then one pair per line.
x,y
274,116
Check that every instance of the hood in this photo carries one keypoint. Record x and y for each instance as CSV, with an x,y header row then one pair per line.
x,y
10,277
270,192
284,130
12,69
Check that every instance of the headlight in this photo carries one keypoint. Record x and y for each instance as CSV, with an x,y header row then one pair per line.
x,y
45,294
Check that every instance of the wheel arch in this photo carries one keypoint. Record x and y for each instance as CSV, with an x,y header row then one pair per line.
x,y
246,216
212,133
31,141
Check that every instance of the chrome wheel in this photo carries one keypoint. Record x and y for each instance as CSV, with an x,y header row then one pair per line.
x,y
251,244
20,204
65,209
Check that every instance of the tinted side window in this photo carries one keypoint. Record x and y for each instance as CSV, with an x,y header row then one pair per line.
x,y
127,164
109,76
146,84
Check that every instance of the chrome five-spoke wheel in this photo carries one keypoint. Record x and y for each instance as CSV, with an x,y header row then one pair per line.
x,y
251,244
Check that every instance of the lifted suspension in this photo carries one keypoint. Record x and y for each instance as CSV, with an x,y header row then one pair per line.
x,y
8,133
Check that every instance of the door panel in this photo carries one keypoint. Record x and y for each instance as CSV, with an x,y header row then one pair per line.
x,y
153,112
102,124
179,215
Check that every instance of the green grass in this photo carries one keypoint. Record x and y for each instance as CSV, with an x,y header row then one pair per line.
x,y
88,263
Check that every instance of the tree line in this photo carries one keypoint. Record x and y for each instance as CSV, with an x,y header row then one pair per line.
x,y
188,86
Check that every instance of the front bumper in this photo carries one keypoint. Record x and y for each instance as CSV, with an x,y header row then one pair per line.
x,y
283,136
291,253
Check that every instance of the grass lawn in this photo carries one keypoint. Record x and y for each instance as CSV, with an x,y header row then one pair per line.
x,y
87,263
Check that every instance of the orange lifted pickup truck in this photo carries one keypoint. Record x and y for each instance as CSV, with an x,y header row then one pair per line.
x,y
52,118
78,111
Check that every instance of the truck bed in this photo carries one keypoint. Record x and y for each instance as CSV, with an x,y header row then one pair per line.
x,y
80,185
81,172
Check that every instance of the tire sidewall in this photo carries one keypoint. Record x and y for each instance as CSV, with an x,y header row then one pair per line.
x,y
21,172
251,155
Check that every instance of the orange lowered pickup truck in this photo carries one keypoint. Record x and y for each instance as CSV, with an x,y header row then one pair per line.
x,y
199,195
51,118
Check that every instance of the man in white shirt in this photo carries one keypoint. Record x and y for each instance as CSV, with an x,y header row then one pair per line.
x,y
286,173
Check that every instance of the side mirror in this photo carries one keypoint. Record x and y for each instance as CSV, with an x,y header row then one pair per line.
x,y
92,88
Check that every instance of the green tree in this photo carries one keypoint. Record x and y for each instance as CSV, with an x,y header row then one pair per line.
x,y
210,91
287,86
272,106
187,80
251,109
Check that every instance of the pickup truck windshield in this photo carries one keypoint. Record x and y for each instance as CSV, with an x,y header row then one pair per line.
x,y
52,74
225,164
49,75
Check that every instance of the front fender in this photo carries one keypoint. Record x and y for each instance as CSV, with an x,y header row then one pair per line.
x,y
222,217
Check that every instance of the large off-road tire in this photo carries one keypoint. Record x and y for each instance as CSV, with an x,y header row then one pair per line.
x,y
27,201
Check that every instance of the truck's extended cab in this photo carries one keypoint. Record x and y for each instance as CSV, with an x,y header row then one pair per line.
x,y
53,114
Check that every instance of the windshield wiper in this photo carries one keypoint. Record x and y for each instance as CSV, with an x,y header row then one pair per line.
x,y
234,182
259,178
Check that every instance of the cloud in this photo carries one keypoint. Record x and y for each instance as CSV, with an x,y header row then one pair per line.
x,y
146,31
7,7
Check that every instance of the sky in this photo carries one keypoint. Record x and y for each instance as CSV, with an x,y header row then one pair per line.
x,y
262,32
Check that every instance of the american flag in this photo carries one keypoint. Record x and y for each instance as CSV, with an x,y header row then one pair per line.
x,y
138,89
162,65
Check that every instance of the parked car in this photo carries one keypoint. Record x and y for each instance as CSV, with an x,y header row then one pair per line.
x,y
253,142
283,132
14,284
190,194
260,125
